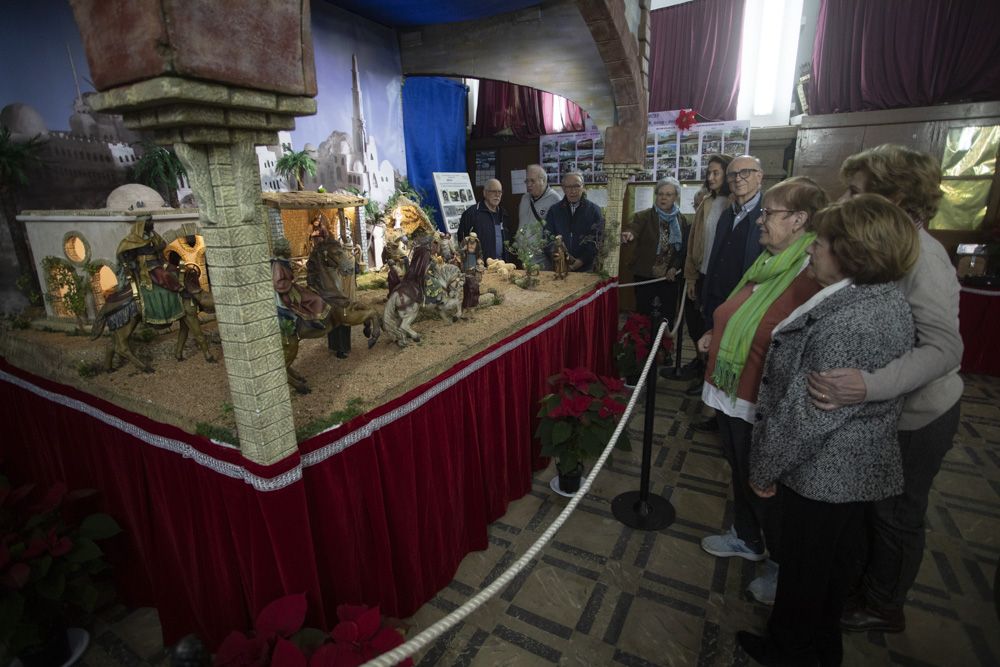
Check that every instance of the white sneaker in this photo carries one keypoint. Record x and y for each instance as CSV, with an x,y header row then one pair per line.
x,y
728,545
764,587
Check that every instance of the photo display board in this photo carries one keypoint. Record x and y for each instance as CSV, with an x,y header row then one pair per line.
x,y
684,154
574,151
454,194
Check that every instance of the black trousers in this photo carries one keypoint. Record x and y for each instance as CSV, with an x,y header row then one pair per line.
x,y
692,315
818,550
896,525
757,520
669,293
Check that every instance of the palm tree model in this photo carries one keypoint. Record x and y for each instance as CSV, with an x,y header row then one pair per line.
x,y
295,163
160,169
16,158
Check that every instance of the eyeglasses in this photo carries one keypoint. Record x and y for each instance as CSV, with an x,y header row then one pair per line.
x,y
493,192
572,187
764,212
743,174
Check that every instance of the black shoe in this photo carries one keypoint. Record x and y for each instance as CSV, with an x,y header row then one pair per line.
x,y
756,647
710,425
869,618
341,355
688,371
695,388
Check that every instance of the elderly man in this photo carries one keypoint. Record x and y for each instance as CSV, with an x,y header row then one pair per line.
x,y
535,204
736,244
579,221
488,221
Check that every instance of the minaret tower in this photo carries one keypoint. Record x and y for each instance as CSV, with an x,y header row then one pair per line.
x,y
360,133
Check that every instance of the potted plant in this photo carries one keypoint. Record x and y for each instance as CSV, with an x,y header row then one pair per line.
x,y
48,561
17,158
577,420
632,346
295,164
279,638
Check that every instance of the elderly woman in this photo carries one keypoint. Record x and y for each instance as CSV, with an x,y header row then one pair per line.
x,y
773,286
661,235
830,464
927,377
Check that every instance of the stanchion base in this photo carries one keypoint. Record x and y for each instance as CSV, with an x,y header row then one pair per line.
x,y
657,512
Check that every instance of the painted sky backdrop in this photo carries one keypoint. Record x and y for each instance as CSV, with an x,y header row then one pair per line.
x,y
36,71
337,35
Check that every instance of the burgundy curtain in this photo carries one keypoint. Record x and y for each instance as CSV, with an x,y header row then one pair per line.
x,y
527,112
694,62
904,53
378,511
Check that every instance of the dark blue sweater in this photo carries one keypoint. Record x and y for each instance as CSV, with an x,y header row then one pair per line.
x,y
581,231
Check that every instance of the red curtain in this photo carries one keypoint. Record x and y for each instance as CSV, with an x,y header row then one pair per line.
x,y
379,511
904,53
527,112
694,60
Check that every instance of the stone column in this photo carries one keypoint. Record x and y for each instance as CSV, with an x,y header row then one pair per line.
x,y
226,183
618,175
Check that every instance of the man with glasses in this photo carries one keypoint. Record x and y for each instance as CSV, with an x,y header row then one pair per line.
x,y
488,221
535,204
736,245
579,221
737,235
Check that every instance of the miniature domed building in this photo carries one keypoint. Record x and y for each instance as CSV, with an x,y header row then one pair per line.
x,y
23,120
133,196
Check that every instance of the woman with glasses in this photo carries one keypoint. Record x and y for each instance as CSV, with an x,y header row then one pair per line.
x,y
774,285
828,466
661,233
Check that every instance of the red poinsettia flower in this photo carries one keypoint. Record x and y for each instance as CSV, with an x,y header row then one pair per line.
x,y
686,118
580,378
613,384
610,407
571,406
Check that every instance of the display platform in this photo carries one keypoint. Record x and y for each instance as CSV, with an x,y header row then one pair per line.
x,y
378,511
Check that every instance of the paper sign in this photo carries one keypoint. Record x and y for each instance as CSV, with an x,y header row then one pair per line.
x,y
517,186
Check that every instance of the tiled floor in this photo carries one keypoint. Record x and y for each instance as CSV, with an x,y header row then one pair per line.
x,y
605,594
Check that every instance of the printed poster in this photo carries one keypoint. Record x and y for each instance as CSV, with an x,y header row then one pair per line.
x,y
454,194
684,154
573,151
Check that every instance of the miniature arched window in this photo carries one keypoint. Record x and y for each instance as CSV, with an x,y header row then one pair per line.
x,y
76,248
103,281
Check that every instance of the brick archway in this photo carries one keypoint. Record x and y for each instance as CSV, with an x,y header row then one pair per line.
x,y
619,49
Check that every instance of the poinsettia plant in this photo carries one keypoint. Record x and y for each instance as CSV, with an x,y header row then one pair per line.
x,y
579,417
49,558
686,119
634,341
279,638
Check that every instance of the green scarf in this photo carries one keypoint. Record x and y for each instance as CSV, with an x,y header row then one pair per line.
x,y
772,275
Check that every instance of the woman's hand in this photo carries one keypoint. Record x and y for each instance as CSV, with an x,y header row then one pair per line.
x,y
836,388
705,342
671,275
764,493
627,237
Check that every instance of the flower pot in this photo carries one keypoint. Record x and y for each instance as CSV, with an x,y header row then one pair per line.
x,y
569,482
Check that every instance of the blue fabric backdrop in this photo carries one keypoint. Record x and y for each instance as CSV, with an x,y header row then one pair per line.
x,y
434,113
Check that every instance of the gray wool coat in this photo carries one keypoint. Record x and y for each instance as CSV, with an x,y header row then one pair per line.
x,y
851,453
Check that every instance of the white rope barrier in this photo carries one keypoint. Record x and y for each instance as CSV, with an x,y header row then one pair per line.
x,y
410,647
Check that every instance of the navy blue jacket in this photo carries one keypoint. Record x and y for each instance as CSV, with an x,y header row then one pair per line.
x,y
581,231
733,251
479,219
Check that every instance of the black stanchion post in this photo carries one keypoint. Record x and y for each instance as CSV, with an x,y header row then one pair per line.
x,y
675,372
640,509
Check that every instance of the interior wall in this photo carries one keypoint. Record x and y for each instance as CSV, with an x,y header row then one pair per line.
x,y
549,47
825,141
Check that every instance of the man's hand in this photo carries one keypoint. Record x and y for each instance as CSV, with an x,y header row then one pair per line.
x,y
836,388
672,274
692,291
627,237
705,342
764,493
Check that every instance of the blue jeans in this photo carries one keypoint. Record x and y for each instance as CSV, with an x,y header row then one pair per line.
x,y
896,525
